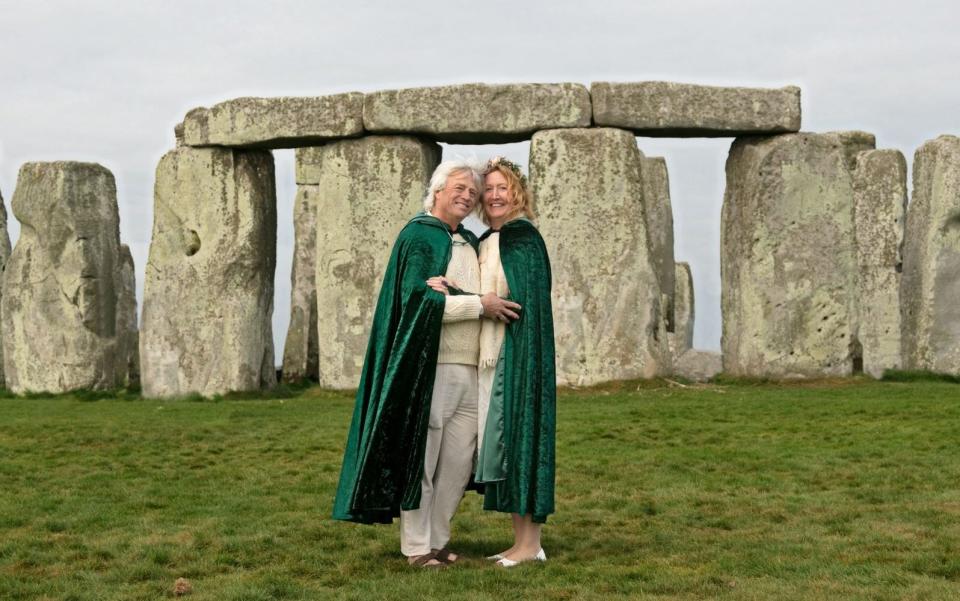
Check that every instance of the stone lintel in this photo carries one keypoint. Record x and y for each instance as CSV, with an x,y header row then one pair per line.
x,y
282,122
669,109
478,113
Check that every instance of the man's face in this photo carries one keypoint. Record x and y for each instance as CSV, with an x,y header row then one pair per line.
x,y
455,201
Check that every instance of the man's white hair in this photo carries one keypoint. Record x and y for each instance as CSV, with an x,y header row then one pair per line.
x,y
438,181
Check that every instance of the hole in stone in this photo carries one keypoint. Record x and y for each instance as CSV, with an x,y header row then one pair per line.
x,y
193,242
856,352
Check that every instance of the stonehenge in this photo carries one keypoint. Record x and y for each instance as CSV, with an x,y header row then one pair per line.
x,y
931,260
367,190
5,250
301,348
659,108
275,122
208,290
477,113
63,324
825,269
788,258
880,204
608,316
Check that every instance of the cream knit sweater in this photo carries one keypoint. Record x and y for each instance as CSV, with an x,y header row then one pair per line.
x,y
460,333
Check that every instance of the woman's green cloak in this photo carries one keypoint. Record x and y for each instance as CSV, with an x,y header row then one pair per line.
x,y
383,460
529,380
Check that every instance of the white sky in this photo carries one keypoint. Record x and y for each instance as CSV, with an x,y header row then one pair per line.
x,y
107,81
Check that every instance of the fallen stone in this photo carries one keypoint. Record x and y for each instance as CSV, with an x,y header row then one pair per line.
x,y
698,366
478,113
788,256
285,122
681,338
659,108
61,283
930,288
301,349
880,196
128,336
208,292
658,213
606,297
367,191
5,250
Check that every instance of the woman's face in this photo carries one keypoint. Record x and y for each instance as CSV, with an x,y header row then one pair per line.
x,y
496,197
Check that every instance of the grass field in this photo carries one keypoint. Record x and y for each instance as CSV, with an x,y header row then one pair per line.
x,y
829,490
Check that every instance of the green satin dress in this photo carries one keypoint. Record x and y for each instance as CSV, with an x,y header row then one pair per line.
x,y
519,451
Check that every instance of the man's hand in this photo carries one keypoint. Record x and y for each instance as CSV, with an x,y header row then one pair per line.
x,y
499,309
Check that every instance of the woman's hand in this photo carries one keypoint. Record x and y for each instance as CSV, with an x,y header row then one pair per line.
x,y
440,284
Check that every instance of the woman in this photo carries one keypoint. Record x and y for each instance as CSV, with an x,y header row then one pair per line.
x,y
517,408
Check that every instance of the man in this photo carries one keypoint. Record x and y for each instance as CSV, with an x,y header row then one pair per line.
x,y
411,443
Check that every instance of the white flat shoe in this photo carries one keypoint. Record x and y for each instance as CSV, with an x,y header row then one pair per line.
x,y
495,557
509,563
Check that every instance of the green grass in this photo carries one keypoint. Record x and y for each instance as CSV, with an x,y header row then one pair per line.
x,y
845,489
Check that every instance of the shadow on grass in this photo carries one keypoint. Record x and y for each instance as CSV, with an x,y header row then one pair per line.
x,y
897,375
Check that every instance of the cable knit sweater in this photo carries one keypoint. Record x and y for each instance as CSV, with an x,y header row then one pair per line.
x,y
460,333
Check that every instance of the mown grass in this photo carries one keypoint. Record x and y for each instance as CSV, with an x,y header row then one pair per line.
x,y
841,489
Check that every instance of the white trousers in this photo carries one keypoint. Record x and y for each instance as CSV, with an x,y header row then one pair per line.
x,y
448,460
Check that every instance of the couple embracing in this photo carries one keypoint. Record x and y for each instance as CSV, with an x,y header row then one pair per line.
x,y
458,383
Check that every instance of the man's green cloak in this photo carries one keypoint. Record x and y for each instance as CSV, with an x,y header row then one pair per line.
x,y
383,461
529,381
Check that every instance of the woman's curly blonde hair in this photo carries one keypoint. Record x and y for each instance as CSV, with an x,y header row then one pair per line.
x,y
517,188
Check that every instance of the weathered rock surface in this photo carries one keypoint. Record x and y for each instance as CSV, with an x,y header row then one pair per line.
x,y
128,336
659,218
61,283
208,293
698,366
607,306
283,122
931,260
659,108
366,191
478,113
788,257
681,338
5,251
301,349
880,196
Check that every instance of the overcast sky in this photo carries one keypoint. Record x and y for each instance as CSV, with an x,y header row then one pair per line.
x,y
107,81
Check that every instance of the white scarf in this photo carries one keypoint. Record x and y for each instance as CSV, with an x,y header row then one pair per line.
x,y
492,279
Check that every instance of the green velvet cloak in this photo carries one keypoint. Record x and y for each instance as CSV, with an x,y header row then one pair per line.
x,y
529,380
383,460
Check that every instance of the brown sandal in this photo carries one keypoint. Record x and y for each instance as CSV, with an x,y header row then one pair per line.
x,y
443,556
423,562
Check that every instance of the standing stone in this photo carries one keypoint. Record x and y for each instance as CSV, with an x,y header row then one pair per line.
x,y
788,256
606,296
661,108
208,293
659,218
61,283
880,196
128,337
476,113
4,257
930,289
681,339
367,190
301,349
